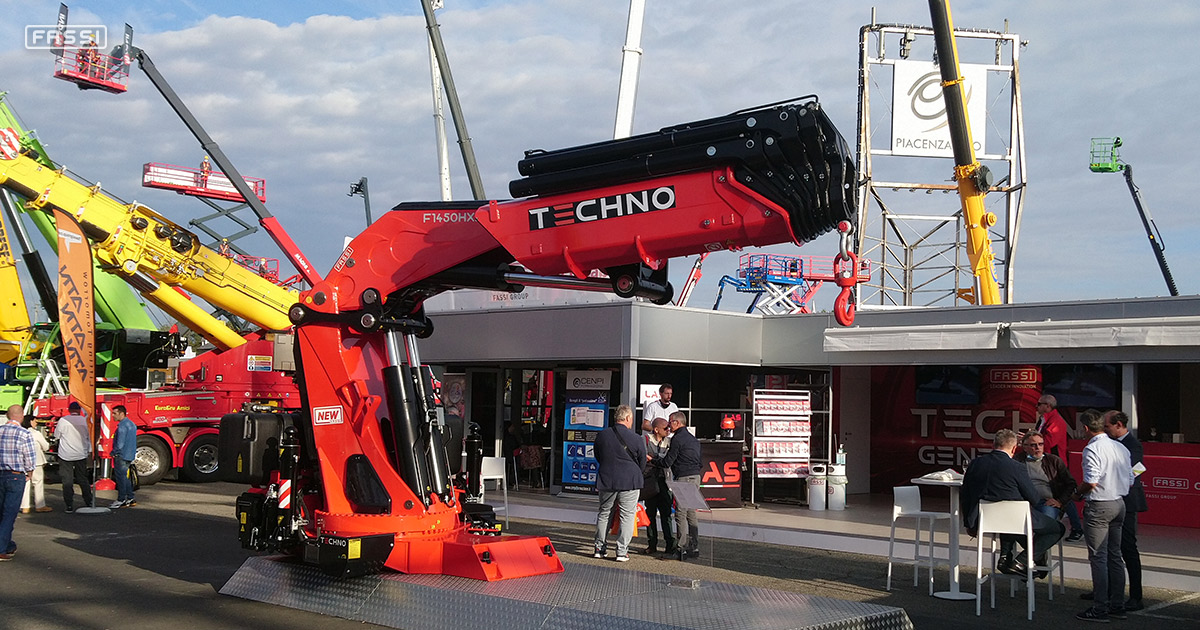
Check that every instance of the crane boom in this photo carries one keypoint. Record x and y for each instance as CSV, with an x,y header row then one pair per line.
x,y
265,218
1151,231
973,178
154,254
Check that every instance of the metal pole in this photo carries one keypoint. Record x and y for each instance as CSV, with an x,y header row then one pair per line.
x,y
439,126
460,124
631,59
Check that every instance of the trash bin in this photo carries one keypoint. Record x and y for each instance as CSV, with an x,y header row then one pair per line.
x,y
836,483
816,487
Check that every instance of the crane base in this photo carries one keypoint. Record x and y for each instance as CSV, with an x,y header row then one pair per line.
x,y
585,596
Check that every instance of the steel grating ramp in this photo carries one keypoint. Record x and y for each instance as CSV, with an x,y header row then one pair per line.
x,y
582,597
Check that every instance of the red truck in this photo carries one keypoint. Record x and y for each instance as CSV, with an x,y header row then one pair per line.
x,y
178,421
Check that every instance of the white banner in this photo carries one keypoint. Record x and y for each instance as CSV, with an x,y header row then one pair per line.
x,y
919,125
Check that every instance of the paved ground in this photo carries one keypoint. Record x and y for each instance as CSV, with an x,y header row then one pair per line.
x,y
161,564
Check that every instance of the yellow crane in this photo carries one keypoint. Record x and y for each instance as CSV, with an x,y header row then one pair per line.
x,y
155,255
973,178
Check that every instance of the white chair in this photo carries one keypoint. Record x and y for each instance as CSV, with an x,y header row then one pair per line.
x,y
1049,567
996,518
1052,563
907,504
494,469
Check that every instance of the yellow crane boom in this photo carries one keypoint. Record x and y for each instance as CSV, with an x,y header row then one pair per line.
x,y
973,178
154,254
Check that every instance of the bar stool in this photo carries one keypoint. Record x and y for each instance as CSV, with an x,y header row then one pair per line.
x,y
906,503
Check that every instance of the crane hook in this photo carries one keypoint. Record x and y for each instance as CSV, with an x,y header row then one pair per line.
x,y
845,266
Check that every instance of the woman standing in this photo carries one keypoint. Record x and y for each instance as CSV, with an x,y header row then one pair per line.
x,y
35,490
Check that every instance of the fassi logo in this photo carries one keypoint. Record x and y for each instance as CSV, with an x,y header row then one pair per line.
x,y
1013,375
600,208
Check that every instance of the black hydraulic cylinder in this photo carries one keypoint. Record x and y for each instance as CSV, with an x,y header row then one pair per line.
x,y
41,281
47,292
1155,243
473,445
407,433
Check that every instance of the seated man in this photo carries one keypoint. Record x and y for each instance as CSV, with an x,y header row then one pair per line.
x,y
996,476
1048,473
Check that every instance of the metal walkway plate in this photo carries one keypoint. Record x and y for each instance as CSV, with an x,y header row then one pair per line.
x,y
583,597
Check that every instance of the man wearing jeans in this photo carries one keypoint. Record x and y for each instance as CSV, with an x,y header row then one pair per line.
x,y
1053,428
620,454
124,452
1048,473
1107,475
683,458
16,468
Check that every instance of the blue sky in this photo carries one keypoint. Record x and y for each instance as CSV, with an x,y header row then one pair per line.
x,y
314,95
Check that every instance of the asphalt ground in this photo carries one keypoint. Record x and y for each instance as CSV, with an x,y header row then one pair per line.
x,y
162,563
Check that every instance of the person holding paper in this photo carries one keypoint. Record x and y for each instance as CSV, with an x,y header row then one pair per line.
x,y
1116,425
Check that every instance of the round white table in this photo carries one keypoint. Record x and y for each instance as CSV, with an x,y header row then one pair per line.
x,y
955,524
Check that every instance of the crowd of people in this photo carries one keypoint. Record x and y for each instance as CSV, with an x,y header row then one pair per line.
x,y
1031,467
636,468
23,450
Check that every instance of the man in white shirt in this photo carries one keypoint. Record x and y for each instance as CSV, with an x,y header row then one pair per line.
x,y
1107,475
661,408
74,447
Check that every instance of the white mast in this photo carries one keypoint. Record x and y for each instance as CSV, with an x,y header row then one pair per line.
x,y
439,119
631,59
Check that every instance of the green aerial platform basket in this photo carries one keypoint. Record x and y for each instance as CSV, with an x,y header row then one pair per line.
x,y
1105,158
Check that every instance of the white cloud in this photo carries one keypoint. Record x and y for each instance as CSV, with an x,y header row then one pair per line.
x,y
319,102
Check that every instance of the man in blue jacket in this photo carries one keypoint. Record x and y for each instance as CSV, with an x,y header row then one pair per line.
x,y
123,454
620,454
683,458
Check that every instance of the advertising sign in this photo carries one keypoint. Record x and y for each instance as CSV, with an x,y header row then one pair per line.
x,y
919,126
593,380
1172,491
721,476
929,418
586,416
911,438
1171,481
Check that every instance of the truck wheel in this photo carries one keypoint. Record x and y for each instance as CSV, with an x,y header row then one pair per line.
x,y
200,460
153,460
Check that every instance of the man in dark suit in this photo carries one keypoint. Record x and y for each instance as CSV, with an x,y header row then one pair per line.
x,y
1116,425
621,454
996,476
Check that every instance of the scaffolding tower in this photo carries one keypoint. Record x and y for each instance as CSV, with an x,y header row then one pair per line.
x,y
910,218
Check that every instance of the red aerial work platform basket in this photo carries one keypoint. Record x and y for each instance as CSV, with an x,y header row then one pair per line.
x,y
91,69
198,182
